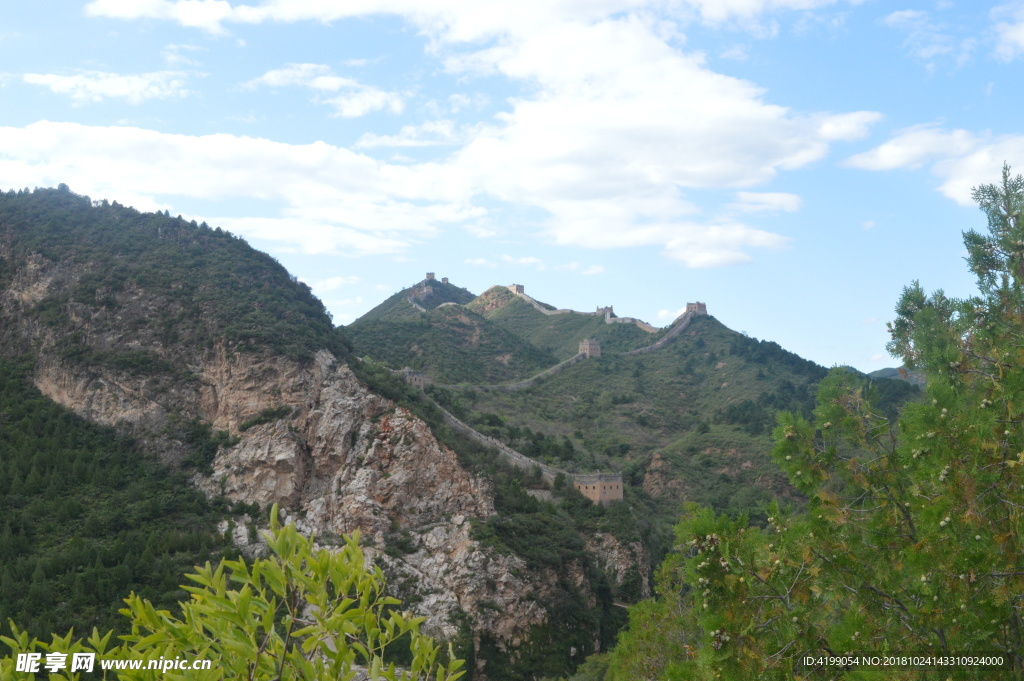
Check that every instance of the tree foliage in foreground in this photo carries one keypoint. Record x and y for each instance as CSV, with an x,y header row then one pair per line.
x,y
299,614
913,540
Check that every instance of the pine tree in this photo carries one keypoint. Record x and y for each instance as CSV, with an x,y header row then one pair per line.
x,y
913,539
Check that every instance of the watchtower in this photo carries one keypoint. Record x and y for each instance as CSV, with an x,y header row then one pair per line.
x,y
601,488
416,378
697,308
590,347
518,289
430,276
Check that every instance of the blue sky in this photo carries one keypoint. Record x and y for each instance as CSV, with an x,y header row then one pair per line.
x,y
793,163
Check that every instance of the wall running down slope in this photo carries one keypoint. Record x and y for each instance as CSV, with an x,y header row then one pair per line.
x,y
607,312
345,459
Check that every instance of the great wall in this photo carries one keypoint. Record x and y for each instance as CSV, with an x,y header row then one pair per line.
x,y
602,488
607,312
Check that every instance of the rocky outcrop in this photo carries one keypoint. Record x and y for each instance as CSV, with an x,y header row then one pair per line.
x,y
345,460
626,563
350,460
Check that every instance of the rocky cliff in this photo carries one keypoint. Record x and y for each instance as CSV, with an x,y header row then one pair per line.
x,y
341,459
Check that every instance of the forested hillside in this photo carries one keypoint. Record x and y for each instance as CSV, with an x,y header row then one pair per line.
x,y
912,543
689,422
88,517
452,344
214,368
206,285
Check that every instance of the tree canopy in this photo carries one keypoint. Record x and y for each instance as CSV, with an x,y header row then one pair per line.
x,y
913,539
298,614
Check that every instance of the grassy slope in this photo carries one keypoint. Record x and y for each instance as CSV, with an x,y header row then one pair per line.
x,y
398,308
710,394
558,334
451,344
691,421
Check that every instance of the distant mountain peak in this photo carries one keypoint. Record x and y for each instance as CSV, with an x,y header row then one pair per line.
x,y
426,294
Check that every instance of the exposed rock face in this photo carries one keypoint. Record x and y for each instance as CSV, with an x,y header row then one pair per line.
x,y
351,460
623,562
345,459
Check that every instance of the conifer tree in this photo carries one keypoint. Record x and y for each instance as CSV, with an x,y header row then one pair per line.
x,y
913,538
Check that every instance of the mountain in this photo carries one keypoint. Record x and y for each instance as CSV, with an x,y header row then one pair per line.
x,y
449,341
559,331
214,365
902,373
425,295
684,412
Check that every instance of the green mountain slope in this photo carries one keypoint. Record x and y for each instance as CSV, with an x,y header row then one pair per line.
x,y
128,314
88,518
711,392
452,344
559,334
410,302
688,422
200,285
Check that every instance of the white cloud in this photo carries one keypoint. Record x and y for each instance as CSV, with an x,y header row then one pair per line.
x,y
1009,29
204,14
669,314
846,127
868,224
291,75
428,134
913,147
962,159
453,20
480,262
625,123
526,261
716,245
95,86
981,166
751,202
735,53
927,39
334,200
333,283
352,98
460,102
618,124
175,55
366,100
